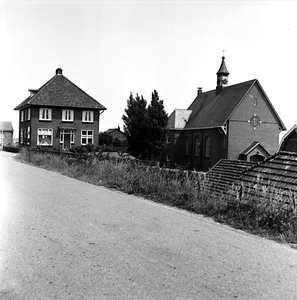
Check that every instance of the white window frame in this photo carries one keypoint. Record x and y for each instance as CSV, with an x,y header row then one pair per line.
x,y
22,136
45,132
45,114
88,116
72,135
67,115
28,135
22,116
87,135
29,114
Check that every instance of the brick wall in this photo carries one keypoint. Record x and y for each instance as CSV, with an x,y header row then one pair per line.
x,y
242,134
56,123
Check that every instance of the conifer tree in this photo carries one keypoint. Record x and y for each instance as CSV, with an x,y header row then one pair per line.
x,y
158,120
135,125
145,126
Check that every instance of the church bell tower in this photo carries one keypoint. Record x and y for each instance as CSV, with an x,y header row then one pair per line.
x,y
222,77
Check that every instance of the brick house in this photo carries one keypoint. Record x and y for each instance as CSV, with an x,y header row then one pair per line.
x,y
6,133
59,115
229,122
116,133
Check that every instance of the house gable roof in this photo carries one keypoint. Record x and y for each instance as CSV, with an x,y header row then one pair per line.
x,y
111,130
211,110
61,92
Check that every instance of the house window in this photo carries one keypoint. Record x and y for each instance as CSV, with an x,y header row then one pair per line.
x,y
88,116
197,147
45,114
22,136
28,135
168,139
187,146
44,136
86,137
67,115
29,114
67,131
25,135
22,116
207,146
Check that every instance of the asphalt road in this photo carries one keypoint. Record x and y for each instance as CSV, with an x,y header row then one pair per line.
x,y
65,239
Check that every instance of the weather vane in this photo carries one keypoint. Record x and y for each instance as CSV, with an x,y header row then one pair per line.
x,y
224,53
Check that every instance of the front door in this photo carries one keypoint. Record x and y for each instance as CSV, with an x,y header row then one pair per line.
x,y
66,140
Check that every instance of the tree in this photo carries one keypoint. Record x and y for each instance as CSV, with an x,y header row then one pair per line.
x,y
145,126
158,120
135,125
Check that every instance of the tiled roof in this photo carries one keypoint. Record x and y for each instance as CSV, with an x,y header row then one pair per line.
x,y
211,110
222,175
275,177
59,91
6,126
276,173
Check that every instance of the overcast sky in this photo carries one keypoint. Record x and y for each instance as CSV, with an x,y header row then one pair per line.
x,y
112,48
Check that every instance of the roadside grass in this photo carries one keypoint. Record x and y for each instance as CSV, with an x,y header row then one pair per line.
x,y
273,217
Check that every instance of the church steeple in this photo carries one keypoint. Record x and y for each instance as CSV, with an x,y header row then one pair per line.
x,y
222,76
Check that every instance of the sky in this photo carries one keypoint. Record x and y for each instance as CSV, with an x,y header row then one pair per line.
x,y
113,48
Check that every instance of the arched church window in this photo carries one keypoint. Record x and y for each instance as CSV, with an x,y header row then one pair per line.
x,y
197,147
207,146
187,150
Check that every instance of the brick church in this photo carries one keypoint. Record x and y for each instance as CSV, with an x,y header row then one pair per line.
x,y
229,122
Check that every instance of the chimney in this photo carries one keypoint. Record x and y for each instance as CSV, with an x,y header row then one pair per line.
x,y
33,92
59,71
199,91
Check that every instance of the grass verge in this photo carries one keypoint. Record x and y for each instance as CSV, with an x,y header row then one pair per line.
x,y
267,217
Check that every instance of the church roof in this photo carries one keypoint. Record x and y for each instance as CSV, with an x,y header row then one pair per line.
x,y
59,91
211,110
